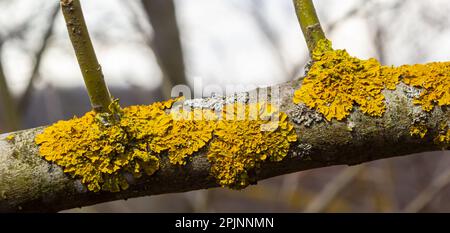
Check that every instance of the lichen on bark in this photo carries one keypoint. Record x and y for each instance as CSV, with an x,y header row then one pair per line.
x,y
101,153
336,83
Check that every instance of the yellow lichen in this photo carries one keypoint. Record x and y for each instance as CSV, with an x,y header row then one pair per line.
x,y
182,133
95,153
336,81
443,138
11,137
192,130
434,81
244,138
100,149
418,130
100,154
322,47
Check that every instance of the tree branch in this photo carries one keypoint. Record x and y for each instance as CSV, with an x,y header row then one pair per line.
x,y
309,22
31,184
84,50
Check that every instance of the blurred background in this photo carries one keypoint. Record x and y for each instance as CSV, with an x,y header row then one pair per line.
x,y
147,46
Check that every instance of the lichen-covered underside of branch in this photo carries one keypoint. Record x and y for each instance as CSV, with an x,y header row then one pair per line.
x,y
29,183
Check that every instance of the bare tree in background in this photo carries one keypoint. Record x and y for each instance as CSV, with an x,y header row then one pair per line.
x,y
7,101
166,41
25,98
7,104
14,109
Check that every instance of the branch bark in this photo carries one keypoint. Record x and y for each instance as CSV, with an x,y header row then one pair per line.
x,y
31,184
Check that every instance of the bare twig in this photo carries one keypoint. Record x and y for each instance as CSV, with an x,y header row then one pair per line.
x,y
332,189
309,22
429,193
384,187
90,68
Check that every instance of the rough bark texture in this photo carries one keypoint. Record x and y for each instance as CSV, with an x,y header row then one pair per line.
x,y
31,184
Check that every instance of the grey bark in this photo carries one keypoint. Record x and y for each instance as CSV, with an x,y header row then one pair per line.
x,y
29,183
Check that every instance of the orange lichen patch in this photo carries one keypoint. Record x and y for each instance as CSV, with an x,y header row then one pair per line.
x,y
191,131
101,154
443,137
243,141
418,130
78,146
149,124
322,47
100,149
336,81
11,137
181,133
434,81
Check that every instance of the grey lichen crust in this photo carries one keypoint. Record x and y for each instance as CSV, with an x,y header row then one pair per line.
x,y
302,150
410,91
216,102
303,115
